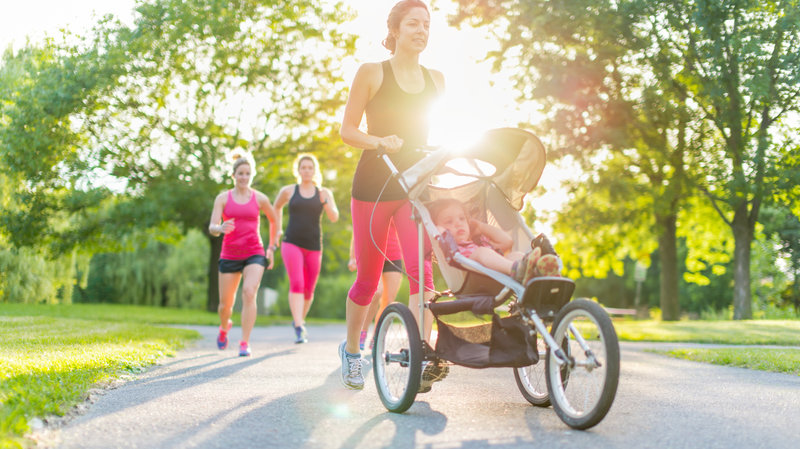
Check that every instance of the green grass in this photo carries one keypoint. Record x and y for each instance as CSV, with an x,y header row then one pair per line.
x,y
775,360
746,332
127,313
49,363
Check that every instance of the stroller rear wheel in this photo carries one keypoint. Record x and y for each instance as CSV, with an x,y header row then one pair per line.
x,y
586,333
397,358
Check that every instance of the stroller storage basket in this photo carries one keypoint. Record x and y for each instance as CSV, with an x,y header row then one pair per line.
x,y
505,342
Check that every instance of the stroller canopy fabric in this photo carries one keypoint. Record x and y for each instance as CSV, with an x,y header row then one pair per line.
x,y
518,158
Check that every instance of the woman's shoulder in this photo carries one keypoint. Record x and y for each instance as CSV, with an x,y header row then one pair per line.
x,y
371,72
288,189
260,196
222,196
438,79
371,67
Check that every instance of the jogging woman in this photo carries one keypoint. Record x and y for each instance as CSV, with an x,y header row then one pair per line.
x,y
396,96
236,214
301,249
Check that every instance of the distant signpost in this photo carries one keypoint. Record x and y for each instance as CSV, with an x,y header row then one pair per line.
x,y
639,275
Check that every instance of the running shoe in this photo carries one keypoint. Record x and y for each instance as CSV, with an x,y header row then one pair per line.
x,y
548,265
432,372
352,378
301,336
244,349
362,339
222,338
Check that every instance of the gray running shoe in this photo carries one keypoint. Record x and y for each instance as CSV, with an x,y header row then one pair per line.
x,y
352,378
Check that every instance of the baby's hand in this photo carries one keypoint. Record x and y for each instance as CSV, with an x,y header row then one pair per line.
x,y
475,227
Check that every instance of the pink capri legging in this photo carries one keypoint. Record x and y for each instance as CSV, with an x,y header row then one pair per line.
x,y
370,260
302,267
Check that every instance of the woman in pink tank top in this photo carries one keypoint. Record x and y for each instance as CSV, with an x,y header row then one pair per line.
x,y
236,214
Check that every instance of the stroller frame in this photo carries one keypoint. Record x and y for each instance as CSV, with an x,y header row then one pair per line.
x,y
541,302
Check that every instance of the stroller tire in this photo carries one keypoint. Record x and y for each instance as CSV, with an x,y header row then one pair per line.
x,y
397,358
532,380
593,375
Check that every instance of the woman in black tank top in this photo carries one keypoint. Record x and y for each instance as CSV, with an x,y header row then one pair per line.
x,y
302,241
396,96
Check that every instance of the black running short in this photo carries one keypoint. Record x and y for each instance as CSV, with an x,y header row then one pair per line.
x,y
393,266
236,266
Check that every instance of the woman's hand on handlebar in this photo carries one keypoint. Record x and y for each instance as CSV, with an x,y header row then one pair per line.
x,y
389,144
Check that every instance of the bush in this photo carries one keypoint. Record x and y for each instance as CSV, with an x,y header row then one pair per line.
x,y
329,297
29,276
158,274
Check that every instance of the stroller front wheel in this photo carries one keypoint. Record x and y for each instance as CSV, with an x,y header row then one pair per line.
x,y
397,358
583,390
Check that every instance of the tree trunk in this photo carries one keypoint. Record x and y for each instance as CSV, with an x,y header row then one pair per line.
x,y
668,257
212,301
743,238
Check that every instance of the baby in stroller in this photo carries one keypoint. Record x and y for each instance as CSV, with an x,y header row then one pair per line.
x,y
491,246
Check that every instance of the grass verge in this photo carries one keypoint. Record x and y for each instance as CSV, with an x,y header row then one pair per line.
x,y
764,359
48,364
746,332
128,314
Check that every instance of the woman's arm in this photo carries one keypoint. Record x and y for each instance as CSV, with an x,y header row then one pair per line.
x,y
281,200
365,84
216,226
329,205
269,211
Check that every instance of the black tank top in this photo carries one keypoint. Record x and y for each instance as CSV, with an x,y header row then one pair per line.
x,y
303,228
393,111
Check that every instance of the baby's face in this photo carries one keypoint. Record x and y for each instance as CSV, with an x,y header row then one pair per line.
x,y
455,220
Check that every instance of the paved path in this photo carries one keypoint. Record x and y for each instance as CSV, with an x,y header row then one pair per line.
x,y
290,396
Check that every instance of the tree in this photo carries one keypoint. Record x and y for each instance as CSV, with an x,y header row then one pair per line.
x,y
737,62
612,111
205,77
43,91
681,94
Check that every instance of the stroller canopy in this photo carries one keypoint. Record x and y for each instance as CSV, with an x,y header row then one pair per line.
x,y
518,158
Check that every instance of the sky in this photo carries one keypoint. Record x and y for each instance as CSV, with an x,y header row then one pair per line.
x,y
476,99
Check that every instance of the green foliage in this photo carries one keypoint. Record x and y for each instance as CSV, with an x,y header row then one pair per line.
x,y
31,276
156,274
153,110
686,97
186,268
329,297
708,242
47,365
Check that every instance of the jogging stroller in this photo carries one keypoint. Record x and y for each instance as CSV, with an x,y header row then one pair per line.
x,y
576,339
